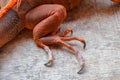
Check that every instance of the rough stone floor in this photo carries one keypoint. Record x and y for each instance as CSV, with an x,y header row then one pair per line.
x,y
97,21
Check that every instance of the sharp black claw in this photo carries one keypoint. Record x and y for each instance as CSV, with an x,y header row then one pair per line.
x,y
84,45
81,70
48,64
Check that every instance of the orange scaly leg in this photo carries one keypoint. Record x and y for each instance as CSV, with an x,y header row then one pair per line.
x,y
76,52
45,21
47,49
62,36
74,38
42,42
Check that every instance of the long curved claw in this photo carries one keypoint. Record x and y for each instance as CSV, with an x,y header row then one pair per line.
x,y
49,64
81,61
84,44
81,70
50,60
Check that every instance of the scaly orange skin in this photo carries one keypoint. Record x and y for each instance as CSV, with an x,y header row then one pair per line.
x,y
68,4
115,0
22,8
44,18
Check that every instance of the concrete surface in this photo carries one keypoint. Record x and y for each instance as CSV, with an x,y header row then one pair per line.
x,y
98,21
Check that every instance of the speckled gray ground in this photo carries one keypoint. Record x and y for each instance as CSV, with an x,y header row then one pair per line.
x,y
98,21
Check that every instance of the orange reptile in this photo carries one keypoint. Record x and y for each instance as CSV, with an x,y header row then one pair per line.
x,y
44,18
115,0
